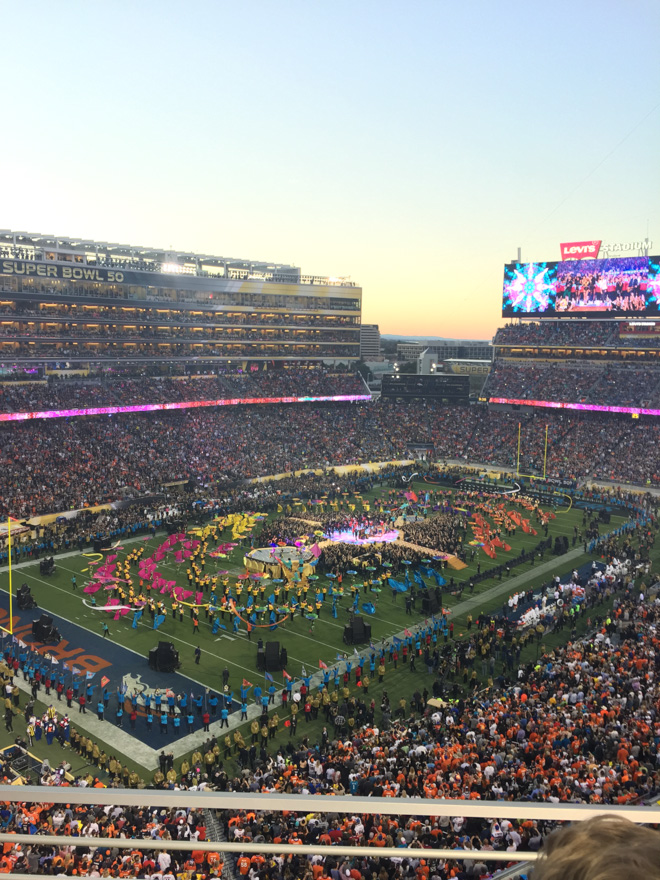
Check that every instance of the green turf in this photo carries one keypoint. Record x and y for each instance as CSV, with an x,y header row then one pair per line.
x,y
305,645
306,642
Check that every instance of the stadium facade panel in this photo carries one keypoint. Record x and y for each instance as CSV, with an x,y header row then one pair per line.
x,y
80,302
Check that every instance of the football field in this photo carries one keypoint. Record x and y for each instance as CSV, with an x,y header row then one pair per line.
x,y
120,653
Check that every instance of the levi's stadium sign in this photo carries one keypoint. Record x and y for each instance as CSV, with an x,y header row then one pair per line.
x,y
580,250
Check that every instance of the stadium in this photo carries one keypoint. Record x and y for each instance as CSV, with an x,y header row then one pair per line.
x,y
226,568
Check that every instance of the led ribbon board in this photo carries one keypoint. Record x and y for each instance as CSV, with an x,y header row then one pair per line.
x,y
591,407
160,407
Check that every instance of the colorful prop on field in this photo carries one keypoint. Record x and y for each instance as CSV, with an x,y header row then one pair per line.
x,y
242,523
483,534
131,591
223,550
112,606
257,609
96,557
503,518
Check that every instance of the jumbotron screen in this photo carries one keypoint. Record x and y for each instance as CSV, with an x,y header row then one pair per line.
x,y
616,287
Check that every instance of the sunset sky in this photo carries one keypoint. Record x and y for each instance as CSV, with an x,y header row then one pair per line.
x,y
410,145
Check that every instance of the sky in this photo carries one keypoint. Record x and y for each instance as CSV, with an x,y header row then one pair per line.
x,y
412,146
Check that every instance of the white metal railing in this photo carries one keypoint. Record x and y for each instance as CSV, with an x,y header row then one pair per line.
x,y
259,802
324,804
385,852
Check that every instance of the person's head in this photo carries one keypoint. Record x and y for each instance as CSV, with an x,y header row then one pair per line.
x,y
603,848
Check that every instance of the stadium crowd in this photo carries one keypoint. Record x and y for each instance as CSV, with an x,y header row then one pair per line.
x,y
558,333
601,384
65,464
126,392
606,334
578,726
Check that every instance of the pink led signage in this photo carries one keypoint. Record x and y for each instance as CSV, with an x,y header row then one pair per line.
x,y
591,407
157,407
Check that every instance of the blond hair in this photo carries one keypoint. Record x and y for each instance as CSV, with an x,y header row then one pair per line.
x,y
603,848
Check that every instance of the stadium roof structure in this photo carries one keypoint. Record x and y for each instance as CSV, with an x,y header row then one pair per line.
x,y
40,246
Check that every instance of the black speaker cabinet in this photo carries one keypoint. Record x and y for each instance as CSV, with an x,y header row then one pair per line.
x,y
272,656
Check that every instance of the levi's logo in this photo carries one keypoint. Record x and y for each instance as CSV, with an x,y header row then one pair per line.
x,y
580,250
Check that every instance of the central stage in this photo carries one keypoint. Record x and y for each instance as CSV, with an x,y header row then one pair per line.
x,y
268,560
348,536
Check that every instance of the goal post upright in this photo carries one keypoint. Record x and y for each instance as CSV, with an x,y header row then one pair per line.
x,y
11,592
545,455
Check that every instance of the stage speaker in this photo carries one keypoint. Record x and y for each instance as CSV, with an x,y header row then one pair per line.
x,y
153,658
284,658
430,604
272,656
98,544
358,629
43,629
47,566
167,658
357,632
26,601
261,659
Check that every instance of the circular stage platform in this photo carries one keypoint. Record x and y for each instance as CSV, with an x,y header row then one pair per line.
x,y
266,560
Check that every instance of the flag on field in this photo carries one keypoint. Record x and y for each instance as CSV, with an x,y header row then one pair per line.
x,y
268,676
104,680
246,683
286,675
90,675
322,665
